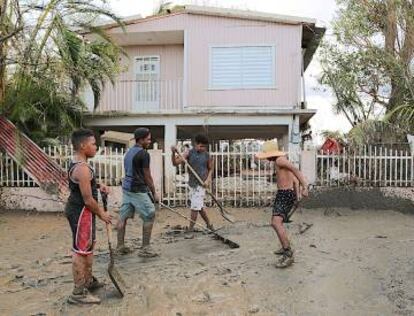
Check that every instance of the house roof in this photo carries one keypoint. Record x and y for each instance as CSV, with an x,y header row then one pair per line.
x,y
247,15
311,34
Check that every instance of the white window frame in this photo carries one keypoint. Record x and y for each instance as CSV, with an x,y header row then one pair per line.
x,y
148,56
210,63
149,106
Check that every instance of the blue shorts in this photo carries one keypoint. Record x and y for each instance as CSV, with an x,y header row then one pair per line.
x,y
138,202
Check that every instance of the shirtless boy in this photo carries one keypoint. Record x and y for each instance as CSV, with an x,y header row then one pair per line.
x,y
286,196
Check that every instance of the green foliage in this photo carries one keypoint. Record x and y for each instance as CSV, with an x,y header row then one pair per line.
x,y
375,132
41,109
368,64
50,63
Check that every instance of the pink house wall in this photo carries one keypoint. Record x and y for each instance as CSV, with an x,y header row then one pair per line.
x,y
171,60
202,32
121,97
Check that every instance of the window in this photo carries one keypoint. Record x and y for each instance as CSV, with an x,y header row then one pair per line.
x,y
245,67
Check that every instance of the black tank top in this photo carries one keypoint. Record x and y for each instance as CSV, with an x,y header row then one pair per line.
x,y
75,197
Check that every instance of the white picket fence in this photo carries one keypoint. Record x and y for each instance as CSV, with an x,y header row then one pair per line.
x,y
238,179
366,166
108,166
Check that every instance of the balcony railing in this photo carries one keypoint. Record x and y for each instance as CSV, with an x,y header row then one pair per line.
x,y
142,96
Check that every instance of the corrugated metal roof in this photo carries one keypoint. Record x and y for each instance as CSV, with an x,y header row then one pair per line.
x,y
247,15
34,161
220,12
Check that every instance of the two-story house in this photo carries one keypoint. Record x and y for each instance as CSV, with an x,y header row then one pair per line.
x,y
229,73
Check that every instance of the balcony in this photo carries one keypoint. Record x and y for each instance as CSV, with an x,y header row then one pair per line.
x,y
141,96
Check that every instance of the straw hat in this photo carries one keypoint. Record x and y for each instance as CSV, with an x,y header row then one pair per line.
x,y
270,149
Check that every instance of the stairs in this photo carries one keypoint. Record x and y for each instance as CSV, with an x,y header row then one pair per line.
x,y
33,160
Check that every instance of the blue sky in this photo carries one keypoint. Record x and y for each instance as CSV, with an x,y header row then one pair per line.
x,y
322,10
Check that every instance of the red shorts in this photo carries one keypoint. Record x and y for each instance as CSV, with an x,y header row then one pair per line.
x,y
82,224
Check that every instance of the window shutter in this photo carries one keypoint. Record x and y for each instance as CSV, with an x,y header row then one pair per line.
x,y
242,67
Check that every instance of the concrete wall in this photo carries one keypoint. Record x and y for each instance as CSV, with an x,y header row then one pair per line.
x,y
308,165
398,199
156,169
34,199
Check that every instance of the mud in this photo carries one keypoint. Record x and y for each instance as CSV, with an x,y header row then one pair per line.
x,y
359,263
361,198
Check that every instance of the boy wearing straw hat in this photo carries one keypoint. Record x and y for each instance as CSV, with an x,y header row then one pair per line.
x,y
286,196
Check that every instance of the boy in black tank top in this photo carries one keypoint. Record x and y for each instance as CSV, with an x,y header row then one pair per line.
x,y
80,210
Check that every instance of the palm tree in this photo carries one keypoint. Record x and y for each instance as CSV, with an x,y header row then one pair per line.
x,y
52,61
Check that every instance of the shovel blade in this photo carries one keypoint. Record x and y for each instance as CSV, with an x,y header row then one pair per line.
x,y
116,279
226,241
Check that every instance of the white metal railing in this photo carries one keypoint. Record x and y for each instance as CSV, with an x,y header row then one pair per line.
x,y
366,166
239,179
142,96
108,166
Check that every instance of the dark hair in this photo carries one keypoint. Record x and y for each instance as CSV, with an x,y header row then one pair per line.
x,y
79,136
201,139
141,132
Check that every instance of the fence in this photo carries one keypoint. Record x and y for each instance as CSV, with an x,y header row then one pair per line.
x,y
108,166
239,179
366,166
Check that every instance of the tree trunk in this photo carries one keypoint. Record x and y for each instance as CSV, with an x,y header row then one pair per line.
x,y
399,77
3,12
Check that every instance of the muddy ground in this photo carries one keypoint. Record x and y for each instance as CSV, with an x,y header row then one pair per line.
x,y
350,262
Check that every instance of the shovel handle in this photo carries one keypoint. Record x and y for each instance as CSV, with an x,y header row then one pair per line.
x,y
104,197
190,168
223,212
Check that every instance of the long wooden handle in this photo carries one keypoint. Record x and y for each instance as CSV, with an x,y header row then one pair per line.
x,y
227,241
190,167
109,233
187,218
104,197
223,212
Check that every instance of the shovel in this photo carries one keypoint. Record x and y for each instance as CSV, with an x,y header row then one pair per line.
x,y
113,272
226,215
225,240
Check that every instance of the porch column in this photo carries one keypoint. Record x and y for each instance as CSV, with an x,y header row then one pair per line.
x,y
294,141
170,139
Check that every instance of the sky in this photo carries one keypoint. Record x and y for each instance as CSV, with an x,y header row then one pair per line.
x,y
322,10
